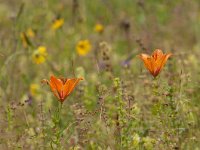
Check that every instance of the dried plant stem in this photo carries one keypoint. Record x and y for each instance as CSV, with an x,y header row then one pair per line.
x,y
42,123
27,123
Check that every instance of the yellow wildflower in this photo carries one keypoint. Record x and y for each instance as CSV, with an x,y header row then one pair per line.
x,y
34,88
58,23
136,140
30,131
99,28
30,33
39,55
83,47
24,39
135,109
149,143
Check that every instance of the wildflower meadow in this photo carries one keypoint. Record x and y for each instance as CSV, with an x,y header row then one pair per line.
x,y
100,75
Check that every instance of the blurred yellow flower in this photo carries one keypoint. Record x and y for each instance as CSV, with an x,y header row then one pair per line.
x,y
135,109
34,88
99,28
39,55
30,131
149,143
83,47
30,33
24,39
136,140
58,23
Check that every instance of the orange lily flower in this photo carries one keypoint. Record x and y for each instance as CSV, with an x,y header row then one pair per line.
x,y
61,87
155,62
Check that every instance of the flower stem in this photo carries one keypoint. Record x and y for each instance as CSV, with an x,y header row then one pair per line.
x,y
155,86
57,127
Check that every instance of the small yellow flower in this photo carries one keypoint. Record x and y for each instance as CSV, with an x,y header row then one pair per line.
x,y
30,132
39,55
136,140
34,88
149,143
99,28
83,47
58,23
30,33
135,109
24,39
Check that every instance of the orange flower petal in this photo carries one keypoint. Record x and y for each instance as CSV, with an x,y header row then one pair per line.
x,y
70,84
56,86
165,58
157,54
160,62
148,62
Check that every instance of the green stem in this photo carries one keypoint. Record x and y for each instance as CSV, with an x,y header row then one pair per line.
x,y
155,86
59,113
59,124
57,127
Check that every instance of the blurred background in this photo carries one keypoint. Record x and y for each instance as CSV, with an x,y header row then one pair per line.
x,y
99,40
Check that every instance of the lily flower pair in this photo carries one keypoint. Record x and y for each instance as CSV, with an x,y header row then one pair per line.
x,y
62,88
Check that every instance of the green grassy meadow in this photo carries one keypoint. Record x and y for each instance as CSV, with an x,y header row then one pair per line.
x,y
118,105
